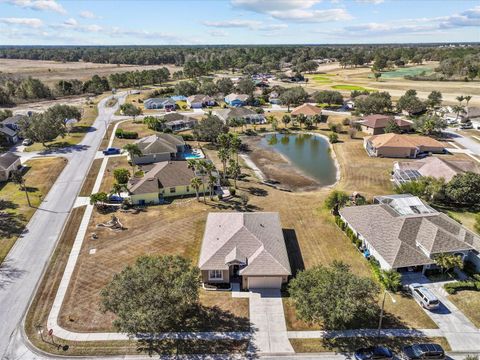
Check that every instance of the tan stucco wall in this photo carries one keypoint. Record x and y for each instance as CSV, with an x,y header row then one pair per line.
x,y
372,131
393,152
153,197
205,279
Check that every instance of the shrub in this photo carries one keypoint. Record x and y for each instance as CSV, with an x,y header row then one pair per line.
x,y
263,129
167,131
333,138
122,134
454,287
233,191
346,121
250,132
187,137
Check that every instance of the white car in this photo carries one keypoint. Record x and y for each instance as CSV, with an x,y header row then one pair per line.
x,y
27,142
424,296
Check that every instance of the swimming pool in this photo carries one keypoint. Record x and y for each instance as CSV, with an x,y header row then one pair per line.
x,y
195,154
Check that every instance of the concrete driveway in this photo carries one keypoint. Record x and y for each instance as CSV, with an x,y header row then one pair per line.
x,y
268,322
470,144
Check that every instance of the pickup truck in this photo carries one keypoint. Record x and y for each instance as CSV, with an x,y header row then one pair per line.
x,y
111,151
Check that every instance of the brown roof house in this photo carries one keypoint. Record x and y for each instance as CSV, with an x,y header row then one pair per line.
x,y
401,145
159,147
165,179
308,110
9,162
248,248
250,116
403,233
405,171
375,124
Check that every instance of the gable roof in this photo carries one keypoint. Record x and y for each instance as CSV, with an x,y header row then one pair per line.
x,y
227,114
7,159
159,143
199,98
379,121
403,141
307,110
439,168
164,174
255,237
7,131
159,101
231,97
404,240
13,119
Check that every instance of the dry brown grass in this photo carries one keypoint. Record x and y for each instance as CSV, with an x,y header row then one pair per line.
x,y
113,163
87,186
39,176
138,127
469,303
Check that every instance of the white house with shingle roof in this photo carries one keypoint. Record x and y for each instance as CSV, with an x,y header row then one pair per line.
x,y
245,247
402,232
159,147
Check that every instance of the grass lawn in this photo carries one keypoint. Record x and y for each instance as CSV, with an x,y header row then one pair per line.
x,y
348,345
469,303
108,180
40,174
137,126
464,217
91,177
77,133
350,87
320,79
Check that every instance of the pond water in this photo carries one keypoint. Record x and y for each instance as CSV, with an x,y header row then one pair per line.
x,y
309,153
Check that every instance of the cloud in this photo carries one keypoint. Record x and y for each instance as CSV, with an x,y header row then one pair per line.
x,y
71,22
40,5
29,22
248,24
293,10
218,33
376,2
87,15
470,17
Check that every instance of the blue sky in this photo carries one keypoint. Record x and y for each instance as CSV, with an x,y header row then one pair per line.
x,y
104,22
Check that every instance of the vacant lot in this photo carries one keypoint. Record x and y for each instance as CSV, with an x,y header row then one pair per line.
x,y
39,175
137,126
53,71
469,303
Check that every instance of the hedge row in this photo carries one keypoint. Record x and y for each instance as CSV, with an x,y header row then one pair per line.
x,y
122,134
455,287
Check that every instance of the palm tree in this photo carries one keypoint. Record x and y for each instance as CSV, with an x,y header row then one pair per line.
x,y
234,171
209,168
132,150
200,168
467,98
286,120
196,183
457,109
224,155
235,144
117,188
211,184
460,99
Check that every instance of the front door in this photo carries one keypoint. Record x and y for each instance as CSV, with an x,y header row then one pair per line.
x,y
235,271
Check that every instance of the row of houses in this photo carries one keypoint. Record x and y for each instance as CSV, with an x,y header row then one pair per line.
x,y
197,101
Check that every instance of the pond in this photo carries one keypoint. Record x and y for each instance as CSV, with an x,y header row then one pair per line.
x,y
309,153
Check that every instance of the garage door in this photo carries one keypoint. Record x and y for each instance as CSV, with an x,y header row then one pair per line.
x,y
265,282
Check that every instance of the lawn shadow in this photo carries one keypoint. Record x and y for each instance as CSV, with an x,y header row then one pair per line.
x,y
11,224
293,250
256,191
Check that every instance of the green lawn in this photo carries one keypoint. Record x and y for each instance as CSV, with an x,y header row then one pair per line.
x,y
350,87
320,78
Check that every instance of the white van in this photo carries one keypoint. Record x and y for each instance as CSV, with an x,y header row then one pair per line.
x,y
424,296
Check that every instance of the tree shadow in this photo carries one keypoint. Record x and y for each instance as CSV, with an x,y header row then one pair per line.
x,y
82,129
11,224
293,250
256,191
7,204
9,274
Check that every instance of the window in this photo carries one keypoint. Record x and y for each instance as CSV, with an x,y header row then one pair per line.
x,y
172,190
215,275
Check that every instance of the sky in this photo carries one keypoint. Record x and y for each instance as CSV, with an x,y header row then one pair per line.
x,y
199,22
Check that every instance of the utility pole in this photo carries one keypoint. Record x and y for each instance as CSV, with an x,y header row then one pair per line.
x,y
381,311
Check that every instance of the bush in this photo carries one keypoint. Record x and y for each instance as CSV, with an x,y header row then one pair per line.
x,y
250,132
333,138
232,191
187,137
168,131
346,121
263,129
454,287
122,134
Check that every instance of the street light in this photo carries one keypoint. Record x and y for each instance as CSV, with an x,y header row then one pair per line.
x,y
381,312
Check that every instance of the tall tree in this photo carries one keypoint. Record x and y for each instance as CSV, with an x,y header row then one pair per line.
x,y
133,151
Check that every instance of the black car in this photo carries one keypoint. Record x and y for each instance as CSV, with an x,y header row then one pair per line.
x,y
374,353
423,351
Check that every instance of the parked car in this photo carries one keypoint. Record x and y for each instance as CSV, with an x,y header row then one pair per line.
x,y
115,198
466,126
424,296
27,142
423,352
111,151
374,352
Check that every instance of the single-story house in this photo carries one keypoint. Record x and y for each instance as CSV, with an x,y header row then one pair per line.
x,y
178,122
159,147
165,179
9,162
405,234
375,124
248,248
160,103
178,98
472,113
250,116
401,145
405,171
200,101
274,98
10,128
236,99
308,110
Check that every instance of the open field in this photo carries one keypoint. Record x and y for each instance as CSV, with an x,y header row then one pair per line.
x,y
137,126
39,175
53,71
469,304
348,345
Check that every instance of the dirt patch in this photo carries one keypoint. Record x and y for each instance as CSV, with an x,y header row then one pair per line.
x,y
278,168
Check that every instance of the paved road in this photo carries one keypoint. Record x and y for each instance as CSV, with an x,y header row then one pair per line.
x,y
24,265
469,143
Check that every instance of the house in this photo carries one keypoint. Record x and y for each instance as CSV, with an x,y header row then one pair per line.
x,y
308,110
435,167
159,103
248,248
178,122
236,99
472,113
453,118
250,116
165,179
350,103
159,147
375,124
403,233
401,146
10,128
274,98
9,162
200,101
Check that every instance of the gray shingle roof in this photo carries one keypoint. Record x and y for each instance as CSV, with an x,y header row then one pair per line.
x,y
159,143
409,240
256,236
7,159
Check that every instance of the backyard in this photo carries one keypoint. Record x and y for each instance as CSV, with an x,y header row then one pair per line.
x,y
39,175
